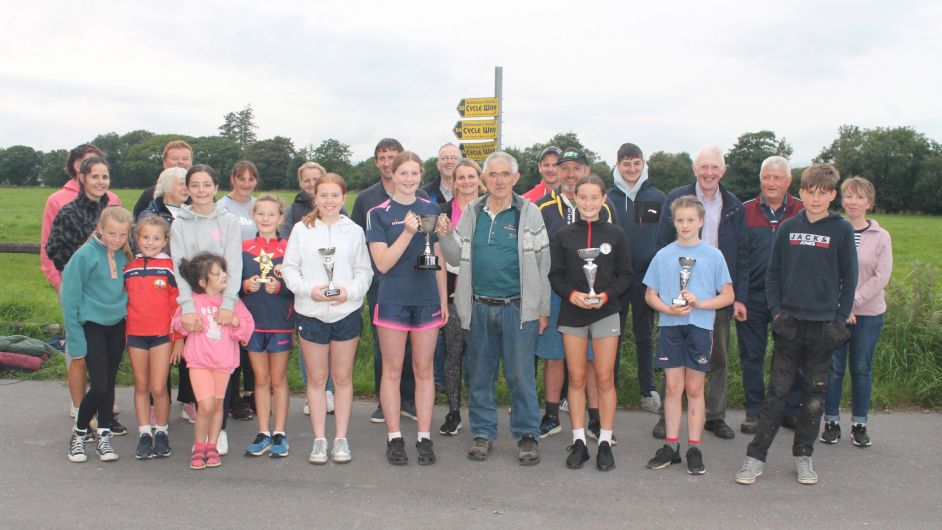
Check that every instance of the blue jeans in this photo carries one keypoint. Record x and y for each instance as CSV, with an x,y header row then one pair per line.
x,y
496,335
863,342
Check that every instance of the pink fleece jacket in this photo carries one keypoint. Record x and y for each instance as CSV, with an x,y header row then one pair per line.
x,y
54,203
875,263
216,347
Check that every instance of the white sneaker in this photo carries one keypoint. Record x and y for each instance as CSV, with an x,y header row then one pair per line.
x,y
189,412
341,453
319,452
222,443
651,403
307,409
751,471
805,470
330,402
564,405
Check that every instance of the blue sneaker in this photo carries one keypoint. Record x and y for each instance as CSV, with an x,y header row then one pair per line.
x,y
279,446
260,446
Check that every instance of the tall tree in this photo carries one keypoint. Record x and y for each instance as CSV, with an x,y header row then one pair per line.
x,y
273,158
19,165
334,155
670,170
240,126
745,158
217,152
52,170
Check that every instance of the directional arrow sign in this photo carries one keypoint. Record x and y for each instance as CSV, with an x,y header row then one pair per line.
x,y
478,151
475,129
477,107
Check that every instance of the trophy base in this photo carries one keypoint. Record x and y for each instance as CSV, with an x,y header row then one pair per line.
x,y
263,280
593,300
428,263
679,301
331,292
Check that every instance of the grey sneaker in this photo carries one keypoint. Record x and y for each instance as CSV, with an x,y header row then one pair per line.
x,y
751,470
805,469
319,452
77,447
377,416
651,403
528,451
105,452
480,447
341,451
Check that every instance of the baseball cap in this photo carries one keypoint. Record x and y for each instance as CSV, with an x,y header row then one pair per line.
x,y
551,149
573,154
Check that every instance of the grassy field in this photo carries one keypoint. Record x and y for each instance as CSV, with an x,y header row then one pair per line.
x,y
907,367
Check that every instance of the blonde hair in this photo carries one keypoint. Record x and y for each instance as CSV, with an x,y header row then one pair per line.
x,y
268,197
688,201
311,165
860,186
117,214
154,220
329,178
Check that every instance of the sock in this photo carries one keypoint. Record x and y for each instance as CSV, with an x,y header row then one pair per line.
x,y
278,432
81,432
143,429
693,443
424,436
390,436
593,414
578,434
674,443
552,409
605,436
161,428
73,410
266,433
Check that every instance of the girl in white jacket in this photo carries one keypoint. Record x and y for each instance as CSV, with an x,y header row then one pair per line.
x,y
328,312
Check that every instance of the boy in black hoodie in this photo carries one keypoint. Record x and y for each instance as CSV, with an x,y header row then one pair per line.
x,y
810,288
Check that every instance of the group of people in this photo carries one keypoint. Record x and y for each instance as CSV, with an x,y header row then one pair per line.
x,y
460,276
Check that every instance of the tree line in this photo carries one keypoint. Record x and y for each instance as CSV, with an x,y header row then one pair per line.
x,y
904,165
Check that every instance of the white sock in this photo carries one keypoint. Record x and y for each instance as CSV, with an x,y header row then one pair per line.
x,y
161,428
143,429
101,431
390,436
425,436
605,436
73,410
578,434
278,432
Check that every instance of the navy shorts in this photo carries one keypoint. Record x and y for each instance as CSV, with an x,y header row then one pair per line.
x,y
684,346
320,332
408,317
146,342
270,341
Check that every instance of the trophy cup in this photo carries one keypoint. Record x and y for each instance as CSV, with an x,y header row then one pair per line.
x,y
590,268
685,265
427,260
327,256
265,265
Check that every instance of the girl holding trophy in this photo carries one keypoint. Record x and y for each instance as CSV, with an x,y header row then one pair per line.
x,y
327,266
591,272
412,300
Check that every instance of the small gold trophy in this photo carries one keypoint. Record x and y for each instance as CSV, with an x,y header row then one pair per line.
x,y
265,264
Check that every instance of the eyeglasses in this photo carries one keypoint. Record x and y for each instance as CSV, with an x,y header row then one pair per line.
x,y
503,174
449,158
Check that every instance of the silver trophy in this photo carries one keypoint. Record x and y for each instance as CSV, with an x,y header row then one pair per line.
x,y
590,269
685,265
427,260
327,256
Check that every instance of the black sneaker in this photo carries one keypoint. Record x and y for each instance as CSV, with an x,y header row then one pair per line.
x,y
161,445
241,411
377,415
396,452
116,428
858,435
578,455
695,461
426,455
528,451
720,429
831,433
77,447
660,430
594,431
452,424
550,425
789,422
407,409
605,460
664,457
749,425
145,447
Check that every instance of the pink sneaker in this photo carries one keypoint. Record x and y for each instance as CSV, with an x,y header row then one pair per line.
x,y
189,412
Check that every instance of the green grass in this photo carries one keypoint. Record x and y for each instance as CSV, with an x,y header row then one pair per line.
x,y
907,366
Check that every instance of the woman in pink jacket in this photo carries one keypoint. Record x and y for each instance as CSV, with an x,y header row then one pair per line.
x,y
875,259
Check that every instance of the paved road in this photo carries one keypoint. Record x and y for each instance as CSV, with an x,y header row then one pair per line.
x,y
896,483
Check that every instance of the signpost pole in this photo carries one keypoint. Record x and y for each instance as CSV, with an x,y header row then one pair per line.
x,y
498,93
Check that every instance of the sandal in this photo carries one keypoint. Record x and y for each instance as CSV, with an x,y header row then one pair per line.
x,y
212,458
198,458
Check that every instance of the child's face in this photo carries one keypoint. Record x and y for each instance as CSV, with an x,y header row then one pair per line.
x,y
687,222
817,200
151,240
217,280
114,234
329,199
407,177
201,188
589,201
267,217
309,179
630,169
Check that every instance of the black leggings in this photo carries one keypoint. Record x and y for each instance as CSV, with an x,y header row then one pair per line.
x,y
105,348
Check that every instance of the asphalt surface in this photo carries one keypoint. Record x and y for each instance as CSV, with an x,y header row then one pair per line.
x,y
895,484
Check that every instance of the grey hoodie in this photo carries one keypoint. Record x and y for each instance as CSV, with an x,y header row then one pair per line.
x,y
219,233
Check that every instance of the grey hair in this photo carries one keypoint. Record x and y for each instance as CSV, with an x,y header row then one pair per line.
x,y
712,150
503,157
166,178
446,145
776,162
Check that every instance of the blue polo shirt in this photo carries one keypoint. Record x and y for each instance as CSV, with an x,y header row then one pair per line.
x,y
495,264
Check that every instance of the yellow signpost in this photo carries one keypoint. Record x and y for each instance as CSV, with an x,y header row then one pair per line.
x,y
478,107
478,151
475,129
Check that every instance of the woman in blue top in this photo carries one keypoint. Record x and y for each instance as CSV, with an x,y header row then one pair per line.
x,y
411,301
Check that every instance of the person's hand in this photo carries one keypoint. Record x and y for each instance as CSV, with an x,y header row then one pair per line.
x,y
680,310
851,320
224,317
176,351
339,298
444,313
191,323
271,286
739,311
251,285
578,299
235,321
544,323
689,297
411,223
443,228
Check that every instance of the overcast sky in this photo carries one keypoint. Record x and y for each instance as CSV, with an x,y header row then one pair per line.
x,y
667,75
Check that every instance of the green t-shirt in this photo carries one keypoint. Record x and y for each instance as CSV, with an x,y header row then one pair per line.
x,y
495,262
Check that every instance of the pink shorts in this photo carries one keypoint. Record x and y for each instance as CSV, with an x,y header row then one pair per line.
x,y
208,383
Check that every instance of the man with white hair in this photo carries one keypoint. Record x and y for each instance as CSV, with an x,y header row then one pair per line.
x,y
764,214
441,189
503,299
724,227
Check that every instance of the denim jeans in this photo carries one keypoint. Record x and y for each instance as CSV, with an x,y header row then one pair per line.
x,y
863,342
496,335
